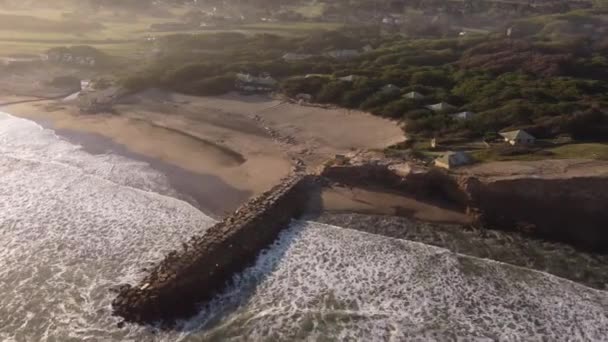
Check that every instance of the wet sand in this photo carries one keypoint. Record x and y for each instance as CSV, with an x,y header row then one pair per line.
x,y
340,199
208,193
238,165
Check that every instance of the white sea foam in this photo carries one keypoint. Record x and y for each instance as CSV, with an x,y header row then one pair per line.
x,y
72,225
320,282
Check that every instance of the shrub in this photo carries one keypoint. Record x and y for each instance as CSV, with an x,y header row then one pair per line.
x,y
397,108
215,85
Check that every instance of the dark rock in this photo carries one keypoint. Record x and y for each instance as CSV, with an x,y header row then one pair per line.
x,y
176,286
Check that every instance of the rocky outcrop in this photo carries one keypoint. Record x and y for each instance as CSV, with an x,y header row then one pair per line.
x,y
184,278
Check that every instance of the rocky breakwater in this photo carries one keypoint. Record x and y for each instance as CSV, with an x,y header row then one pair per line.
x,y
175,287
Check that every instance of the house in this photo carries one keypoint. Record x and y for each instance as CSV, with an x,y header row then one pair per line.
x,y
414,96
303,97
441,106
519,137
463,115
343,54
390,89
86,86
249,83
589,26
451,160
368,48
349,78
389,20
290,56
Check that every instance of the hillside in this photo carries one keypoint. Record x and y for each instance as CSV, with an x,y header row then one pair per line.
x,y
543,80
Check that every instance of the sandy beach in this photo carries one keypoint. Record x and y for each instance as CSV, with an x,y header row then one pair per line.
x,y
219,151
341,199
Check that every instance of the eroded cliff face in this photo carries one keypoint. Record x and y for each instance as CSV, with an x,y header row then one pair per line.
x,y
572,210
566,208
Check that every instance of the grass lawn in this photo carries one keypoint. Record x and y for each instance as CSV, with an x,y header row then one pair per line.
x,y
582,150
34,32
312,9
597,151
291,28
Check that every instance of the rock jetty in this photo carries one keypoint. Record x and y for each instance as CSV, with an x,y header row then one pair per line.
x,y
185,278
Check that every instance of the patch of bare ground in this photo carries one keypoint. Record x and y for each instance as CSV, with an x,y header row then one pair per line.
x,y
343,199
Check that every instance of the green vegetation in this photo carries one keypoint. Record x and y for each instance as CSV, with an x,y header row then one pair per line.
x,y
35,24
550,77
544,84
598,151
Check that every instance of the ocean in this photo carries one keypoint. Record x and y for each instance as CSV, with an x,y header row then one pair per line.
x,y
73,225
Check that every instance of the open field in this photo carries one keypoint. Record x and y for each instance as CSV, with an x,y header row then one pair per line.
x,y
547,169
33,32
597,151
312,9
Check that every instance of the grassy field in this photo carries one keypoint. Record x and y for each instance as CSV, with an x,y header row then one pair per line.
x,y
597,151
312,9
33,32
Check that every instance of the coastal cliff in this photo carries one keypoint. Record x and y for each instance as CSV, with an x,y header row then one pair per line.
x,y
571,210
568,207
184,278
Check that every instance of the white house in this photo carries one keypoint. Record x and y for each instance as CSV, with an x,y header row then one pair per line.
x,y
349,78
249,83
518,137
303,97
390,89
343,54
451,160
463,115
414,95
290,56
441,106
86,86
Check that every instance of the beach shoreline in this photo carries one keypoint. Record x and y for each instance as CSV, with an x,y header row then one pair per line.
x,y
218,152
207,193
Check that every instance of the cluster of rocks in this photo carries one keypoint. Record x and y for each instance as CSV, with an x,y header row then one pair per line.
x,y
175,287
273,133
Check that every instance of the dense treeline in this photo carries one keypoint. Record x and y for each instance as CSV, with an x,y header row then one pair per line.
x,y
549,86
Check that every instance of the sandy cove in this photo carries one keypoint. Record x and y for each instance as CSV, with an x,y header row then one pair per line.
x,y
247,142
